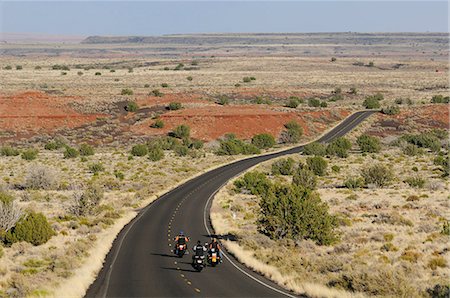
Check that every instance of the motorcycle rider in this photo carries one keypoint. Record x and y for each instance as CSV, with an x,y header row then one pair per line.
x,y
181,239
199,250
215,244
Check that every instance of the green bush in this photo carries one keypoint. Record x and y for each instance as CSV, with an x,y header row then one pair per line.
x,y
233,146
415,181
354,182
98,73
132,107
317,164
6,198
353,90
223,100
313,102
53,145
336,168
441,134
9,151
165,143
315,148
164,85
182,131
293,103
30,154
119,175
424,140
371,103
175,106
32,228
377,174
284,166
246,80
287,211
440,99
86,150
156,93
96,168
339,147
292,133
263,141
368,144
126,91
253,182
139,150
197,144
391,110
412,150
87,203
189,78
8,67
305,178
157,124
71,152
155,153
181,150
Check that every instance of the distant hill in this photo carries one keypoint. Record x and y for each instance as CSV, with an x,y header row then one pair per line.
x,y
32,38
271,38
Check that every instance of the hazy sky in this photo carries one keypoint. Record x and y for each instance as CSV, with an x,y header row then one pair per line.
x,y
157,18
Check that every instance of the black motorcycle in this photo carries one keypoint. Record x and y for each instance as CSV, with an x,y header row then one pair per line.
x,y
213,257
198,262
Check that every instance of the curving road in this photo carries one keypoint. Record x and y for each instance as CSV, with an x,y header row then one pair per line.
x,y
140,263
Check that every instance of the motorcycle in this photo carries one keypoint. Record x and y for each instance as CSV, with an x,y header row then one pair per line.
x,y
180,250
213,257
198,263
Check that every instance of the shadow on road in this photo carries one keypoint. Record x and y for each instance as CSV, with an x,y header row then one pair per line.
x,y
182,270
164,255
229,237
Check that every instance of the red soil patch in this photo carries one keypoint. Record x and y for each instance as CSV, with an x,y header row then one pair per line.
x,y
414,119
255,92
30,112
211,122
150,101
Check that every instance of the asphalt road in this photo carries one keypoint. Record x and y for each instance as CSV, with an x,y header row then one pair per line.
x,y
141,262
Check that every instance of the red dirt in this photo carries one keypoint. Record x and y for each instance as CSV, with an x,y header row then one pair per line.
x,y
150,101
31,112
211,122
414,119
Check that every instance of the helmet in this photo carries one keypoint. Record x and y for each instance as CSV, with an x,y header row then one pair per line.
x,y
181,233
198,242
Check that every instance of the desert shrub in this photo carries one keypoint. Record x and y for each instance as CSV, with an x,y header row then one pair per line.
x,y
32,228
253,182
436,262
424,140
315,148
445,227
313,102
60,67
157,124
410,256
371,103
263,141
368,143
181,150
8,67
19,67
139,150
96,168
439,291
292,133
415,181
182,131
284,166
246,79
412,150
317,164
323,104
86,150
164,85
232,146
132,107
40,177
156,93
336,168
293,103
304,177
98,73
339,147
179,66
86,202
53,145
30,154
119,175
197,144
354,182
440,99
377,174
223,100
259,100
9,151
10,213
126,91
174,106
288,211
165,143
391,110
80,73
333,59
189,78
441,134
442,161
70,152
353,90
155,153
